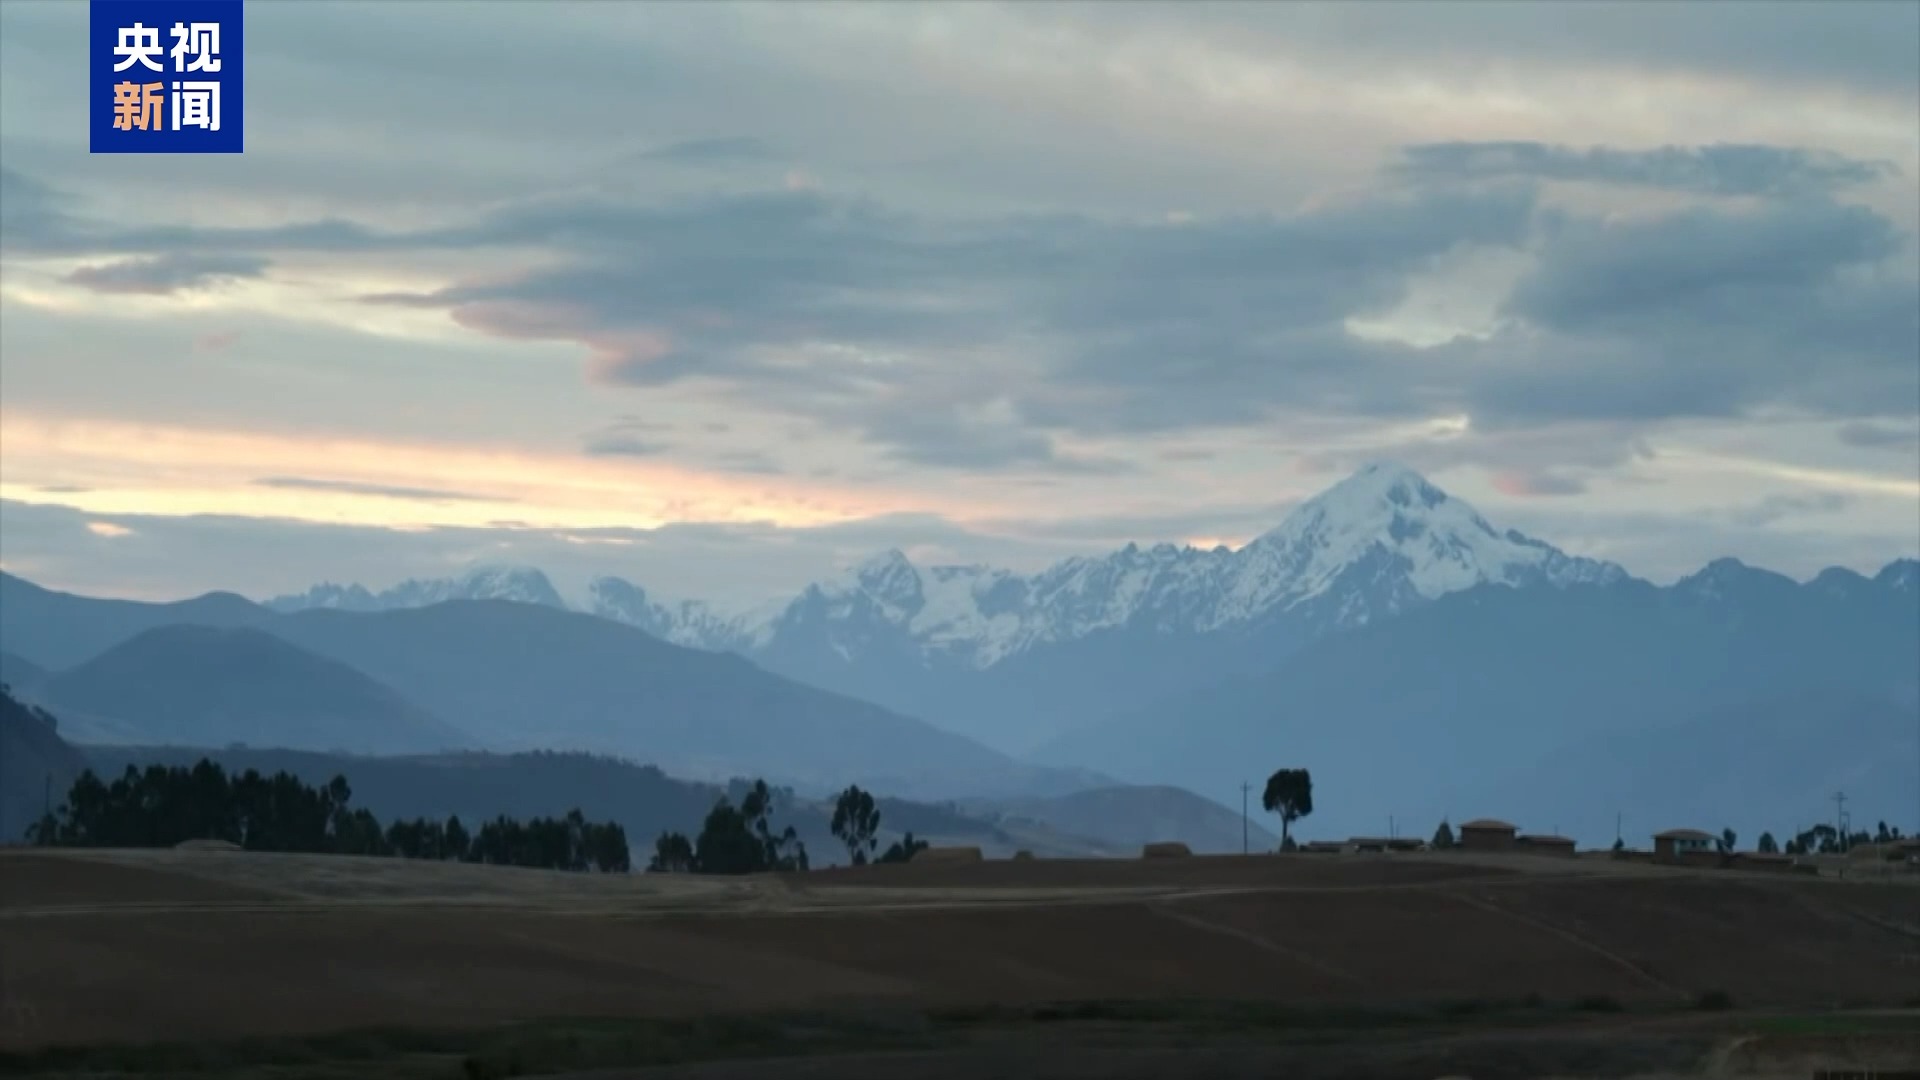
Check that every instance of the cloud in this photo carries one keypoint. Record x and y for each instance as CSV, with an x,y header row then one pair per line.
x,y
629,436
1779,507
383,491
1761,171
165,274
733,564
713,151
1881,436
619,445
1709,313
108,529
990,342
1527,485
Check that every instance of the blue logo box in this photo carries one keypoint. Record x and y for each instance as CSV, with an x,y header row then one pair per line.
x,y
166,76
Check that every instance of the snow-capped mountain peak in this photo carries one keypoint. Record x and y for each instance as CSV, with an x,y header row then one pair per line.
x,y
521,584
1426,542
1371,545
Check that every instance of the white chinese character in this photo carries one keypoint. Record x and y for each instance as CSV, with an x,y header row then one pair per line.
x,y
201,41
138,43
196,105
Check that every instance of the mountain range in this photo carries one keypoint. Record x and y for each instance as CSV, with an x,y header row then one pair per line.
x,y
493,673
1014,660
1421,661
1736,689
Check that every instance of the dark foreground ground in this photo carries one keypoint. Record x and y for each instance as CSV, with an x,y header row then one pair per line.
x,y
197,963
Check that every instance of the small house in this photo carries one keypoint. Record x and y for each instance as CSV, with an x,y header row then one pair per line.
x,y
1487,834
1675,843
1546,845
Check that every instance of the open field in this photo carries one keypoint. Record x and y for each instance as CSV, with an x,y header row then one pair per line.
x,y
130,947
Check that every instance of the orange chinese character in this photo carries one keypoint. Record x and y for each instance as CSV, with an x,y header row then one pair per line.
x,y
137,105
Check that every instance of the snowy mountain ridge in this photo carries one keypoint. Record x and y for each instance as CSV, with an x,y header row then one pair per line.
x,y
1370,546
521,584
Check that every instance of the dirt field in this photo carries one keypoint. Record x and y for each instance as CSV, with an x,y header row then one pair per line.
x,y
138,946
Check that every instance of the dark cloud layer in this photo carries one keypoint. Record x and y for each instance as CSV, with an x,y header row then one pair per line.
x,y
981,344
1768,171
169,273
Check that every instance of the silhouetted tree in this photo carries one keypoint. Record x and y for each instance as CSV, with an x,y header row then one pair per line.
x,y
1619,844
784,851
672,854
1766,845
1726,841
1442,837
855,821
903,850
457,840
1289,793
740,840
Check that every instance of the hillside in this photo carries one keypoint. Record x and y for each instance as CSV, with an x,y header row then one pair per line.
x,y
1559,696
57,630
36,766
208,686
21,674
524,676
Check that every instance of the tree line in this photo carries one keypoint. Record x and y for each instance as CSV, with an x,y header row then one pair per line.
x,y
162,806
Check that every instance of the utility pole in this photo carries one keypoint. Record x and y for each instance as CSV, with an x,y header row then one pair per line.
x,y
1840,818
1244,788
1391,834
1617,837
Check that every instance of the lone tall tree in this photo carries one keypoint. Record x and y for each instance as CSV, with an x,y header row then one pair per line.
x,y
1289,793
855,821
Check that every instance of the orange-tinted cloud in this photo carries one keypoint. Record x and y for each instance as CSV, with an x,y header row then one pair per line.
x,y
114,467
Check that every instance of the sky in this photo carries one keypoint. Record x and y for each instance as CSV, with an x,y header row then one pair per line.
x,y
720,297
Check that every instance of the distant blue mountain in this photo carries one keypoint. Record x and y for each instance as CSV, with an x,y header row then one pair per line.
x,y
1735,695
511,675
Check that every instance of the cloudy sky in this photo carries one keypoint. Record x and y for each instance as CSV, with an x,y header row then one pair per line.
x,y
719,297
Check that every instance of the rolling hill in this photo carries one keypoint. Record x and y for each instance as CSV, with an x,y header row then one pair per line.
x,y
209,686
524,676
